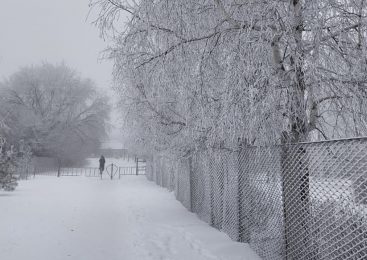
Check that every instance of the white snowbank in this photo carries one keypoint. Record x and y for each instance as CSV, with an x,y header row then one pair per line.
x,y
82,218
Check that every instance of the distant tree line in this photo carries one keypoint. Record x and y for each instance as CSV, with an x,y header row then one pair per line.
x,y
53,112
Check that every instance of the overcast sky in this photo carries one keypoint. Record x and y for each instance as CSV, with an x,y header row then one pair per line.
x,y
33,31
55,31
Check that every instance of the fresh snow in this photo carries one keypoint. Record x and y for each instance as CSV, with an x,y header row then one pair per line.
x,y
81,218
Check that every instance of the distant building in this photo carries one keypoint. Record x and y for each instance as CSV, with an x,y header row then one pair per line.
x,y
113,150
114,153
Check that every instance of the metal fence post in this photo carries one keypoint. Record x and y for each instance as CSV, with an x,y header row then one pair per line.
x,y
211,194
179,163
191,183
111,171
27,171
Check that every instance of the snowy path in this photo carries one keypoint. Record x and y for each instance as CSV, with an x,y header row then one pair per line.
x,y
81,218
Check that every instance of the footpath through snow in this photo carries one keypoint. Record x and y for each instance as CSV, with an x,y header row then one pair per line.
x,y
80,218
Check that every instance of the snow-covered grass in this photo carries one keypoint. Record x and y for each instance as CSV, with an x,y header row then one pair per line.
x,y
87,218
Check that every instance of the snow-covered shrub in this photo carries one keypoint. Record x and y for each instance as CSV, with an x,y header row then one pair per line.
x,y
8,181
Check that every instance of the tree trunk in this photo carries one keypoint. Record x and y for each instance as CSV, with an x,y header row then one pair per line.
x,y
295,170
58,167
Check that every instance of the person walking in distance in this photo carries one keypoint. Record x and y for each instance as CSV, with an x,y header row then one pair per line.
x,y
101,164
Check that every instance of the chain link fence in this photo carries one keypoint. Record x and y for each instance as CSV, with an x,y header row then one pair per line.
x,y
299,201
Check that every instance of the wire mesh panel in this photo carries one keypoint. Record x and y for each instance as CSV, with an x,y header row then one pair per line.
x,y
299,201
217,169
261,204
159,174
330,179
164,173
201,202
172,175
183,191
149,169
231,220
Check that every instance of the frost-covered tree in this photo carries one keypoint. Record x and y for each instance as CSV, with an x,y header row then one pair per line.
x,y
57,113
8,181
212,72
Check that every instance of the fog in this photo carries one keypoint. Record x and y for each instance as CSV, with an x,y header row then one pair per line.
x,y
37,31
53,31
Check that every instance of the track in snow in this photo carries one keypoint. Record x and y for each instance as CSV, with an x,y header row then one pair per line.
x,y
88,219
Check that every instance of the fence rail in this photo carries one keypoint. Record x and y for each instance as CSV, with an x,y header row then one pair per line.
x,y
128,171
111,170
86,171
294,202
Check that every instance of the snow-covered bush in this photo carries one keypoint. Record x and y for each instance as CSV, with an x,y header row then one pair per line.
x,y
8,181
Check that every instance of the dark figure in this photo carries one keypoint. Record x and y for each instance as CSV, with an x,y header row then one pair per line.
x,y
101,164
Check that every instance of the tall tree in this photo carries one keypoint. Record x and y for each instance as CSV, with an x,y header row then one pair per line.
x,y
54,111
212,71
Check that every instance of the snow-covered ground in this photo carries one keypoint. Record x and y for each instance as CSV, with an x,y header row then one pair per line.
x,y
80,218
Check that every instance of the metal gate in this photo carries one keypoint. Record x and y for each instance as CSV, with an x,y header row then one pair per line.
x,y
114,171
111,170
